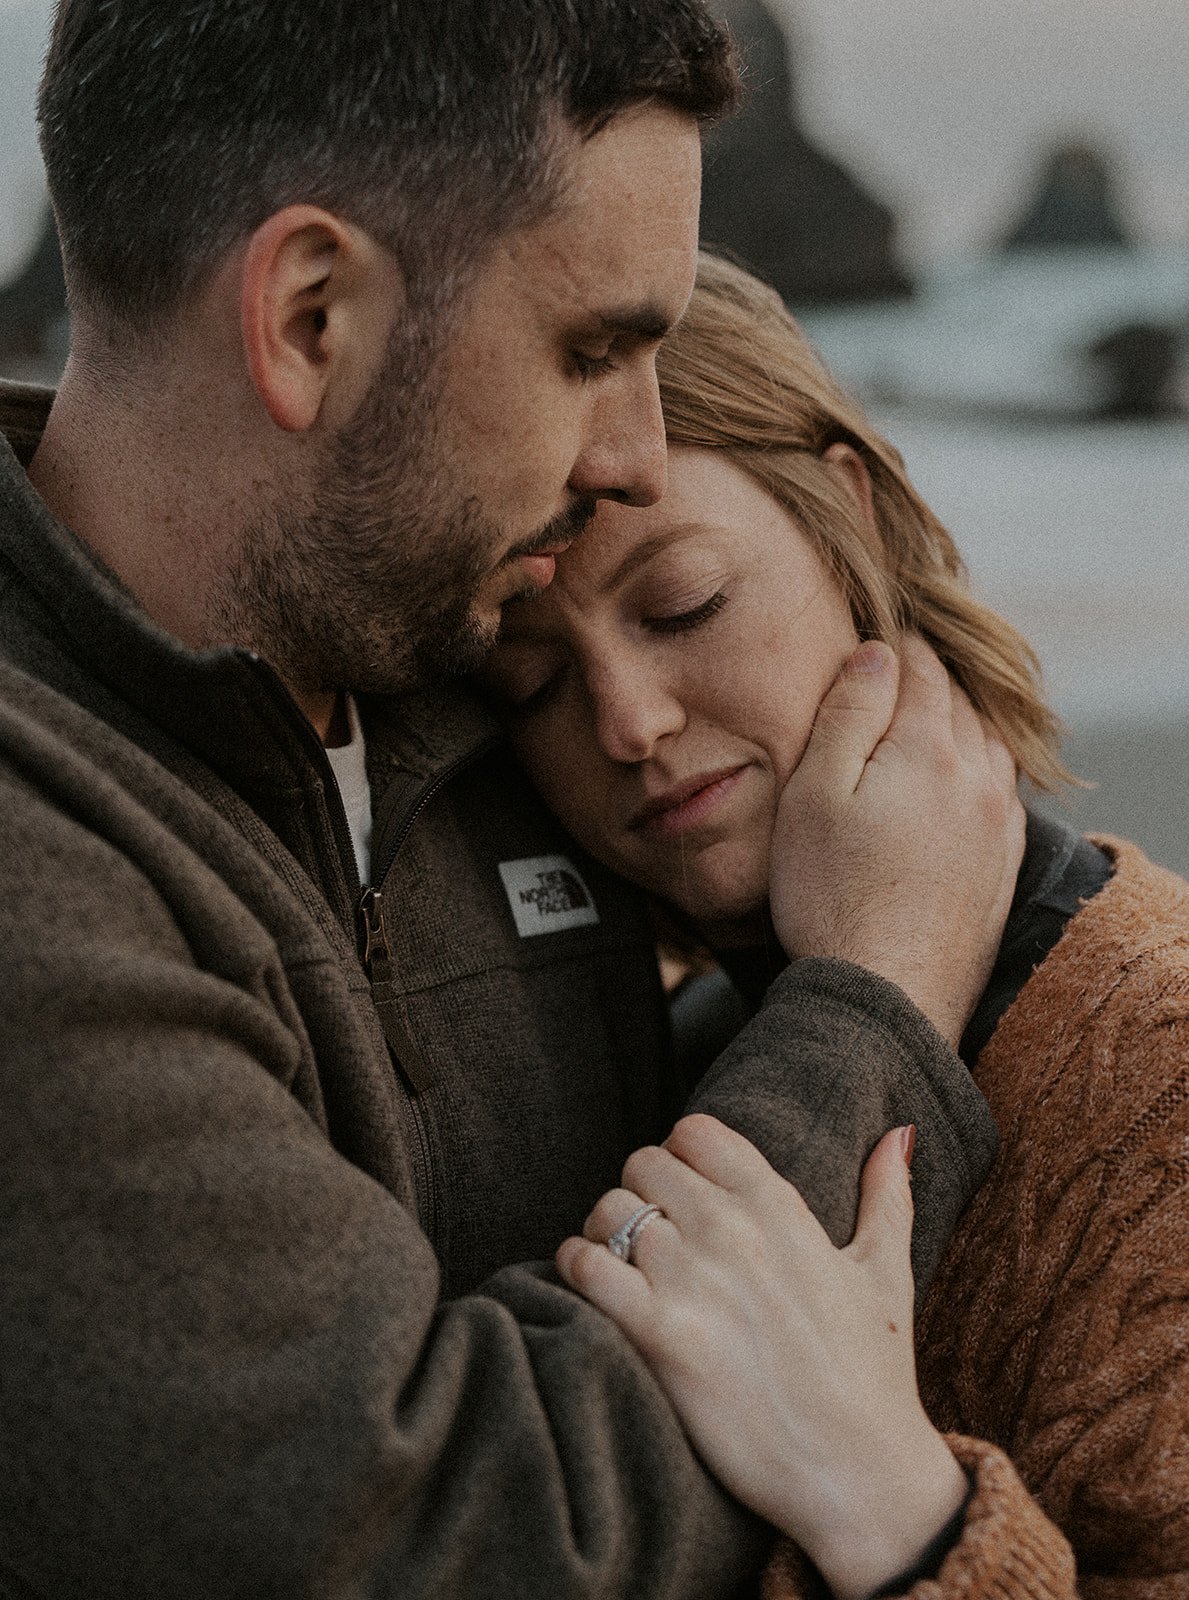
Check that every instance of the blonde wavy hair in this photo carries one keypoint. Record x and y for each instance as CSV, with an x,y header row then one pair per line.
x,y
737,374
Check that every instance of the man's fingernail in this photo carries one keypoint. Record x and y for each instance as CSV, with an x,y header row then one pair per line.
x,y
908,1143
869,657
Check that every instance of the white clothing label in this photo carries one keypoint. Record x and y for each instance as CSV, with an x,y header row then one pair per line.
x,y
547,895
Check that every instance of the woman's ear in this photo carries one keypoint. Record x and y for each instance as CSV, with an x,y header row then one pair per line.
x,y
848,469
317,299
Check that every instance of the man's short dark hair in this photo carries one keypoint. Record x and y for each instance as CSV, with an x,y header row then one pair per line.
x,y
171,129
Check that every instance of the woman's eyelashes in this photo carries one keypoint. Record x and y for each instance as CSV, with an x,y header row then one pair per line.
x,y
517,700
588,366
686,621
526,683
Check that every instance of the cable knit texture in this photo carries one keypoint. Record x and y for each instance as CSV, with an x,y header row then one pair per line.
x,y
1057,1329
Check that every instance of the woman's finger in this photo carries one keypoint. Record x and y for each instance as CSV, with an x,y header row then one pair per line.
x,y
712,1184
725,1158
617,1289
610,1211
630,1229
970,734
883,1233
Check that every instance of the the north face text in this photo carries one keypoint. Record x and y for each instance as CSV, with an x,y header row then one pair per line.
x,y
546,895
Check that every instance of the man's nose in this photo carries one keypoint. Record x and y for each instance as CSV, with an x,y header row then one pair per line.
x,y
625,456
633,709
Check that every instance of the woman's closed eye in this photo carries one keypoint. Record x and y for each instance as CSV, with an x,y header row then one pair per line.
x,y
589,366
518,687
523,701
687,621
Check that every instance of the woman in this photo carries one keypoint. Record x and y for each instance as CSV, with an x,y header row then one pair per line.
x,y
661,693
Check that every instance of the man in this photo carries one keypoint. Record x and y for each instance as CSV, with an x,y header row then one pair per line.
x,y
365,303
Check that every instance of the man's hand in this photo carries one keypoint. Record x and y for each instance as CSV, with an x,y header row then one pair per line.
x,y
899,836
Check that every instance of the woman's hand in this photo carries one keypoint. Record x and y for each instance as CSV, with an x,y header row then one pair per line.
x,y
899,835
789,1362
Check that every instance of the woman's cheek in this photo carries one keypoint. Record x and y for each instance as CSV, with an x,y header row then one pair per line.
x,y
536,756
792,720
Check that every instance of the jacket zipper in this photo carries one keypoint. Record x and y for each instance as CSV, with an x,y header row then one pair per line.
x,y
377,952
432,788
374,947
379,965
377,961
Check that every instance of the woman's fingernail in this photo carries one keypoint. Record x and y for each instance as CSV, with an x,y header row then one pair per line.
x,y
870,657
908,1142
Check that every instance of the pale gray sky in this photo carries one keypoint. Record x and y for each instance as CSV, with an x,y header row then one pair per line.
x,y
939,104
23,25
942,103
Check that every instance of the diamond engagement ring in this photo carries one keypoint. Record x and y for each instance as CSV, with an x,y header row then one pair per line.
x,y
621,1241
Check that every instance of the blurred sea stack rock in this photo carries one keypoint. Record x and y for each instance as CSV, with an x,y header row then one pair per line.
x,y
1139,369
1075,204
777,203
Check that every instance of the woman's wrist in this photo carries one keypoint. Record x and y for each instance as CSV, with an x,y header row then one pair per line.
x,y
929,1563
888,1524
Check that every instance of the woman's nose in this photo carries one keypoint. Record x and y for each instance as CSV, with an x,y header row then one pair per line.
x,y
633,711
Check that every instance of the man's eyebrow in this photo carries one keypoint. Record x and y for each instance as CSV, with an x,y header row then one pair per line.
x,y
641,322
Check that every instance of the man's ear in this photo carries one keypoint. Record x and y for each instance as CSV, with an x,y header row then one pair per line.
x,y
848,469
317,299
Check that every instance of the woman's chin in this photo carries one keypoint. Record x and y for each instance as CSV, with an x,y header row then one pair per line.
x,y
725,920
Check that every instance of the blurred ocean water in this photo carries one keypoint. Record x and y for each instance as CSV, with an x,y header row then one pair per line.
x,y
1006,331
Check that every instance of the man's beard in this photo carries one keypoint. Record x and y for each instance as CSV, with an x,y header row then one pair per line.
x,y
370,586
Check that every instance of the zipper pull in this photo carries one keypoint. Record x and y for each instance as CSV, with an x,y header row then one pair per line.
x,y
375,934
377,962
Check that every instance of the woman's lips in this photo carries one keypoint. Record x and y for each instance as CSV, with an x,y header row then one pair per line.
x,y
688,804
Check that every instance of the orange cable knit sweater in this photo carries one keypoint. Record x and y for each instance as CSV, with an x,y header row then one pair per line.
x,y
1054,1343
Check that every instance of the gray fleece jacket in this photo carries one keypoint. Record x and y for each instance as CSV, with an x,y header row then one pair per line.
x,y
278,1151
